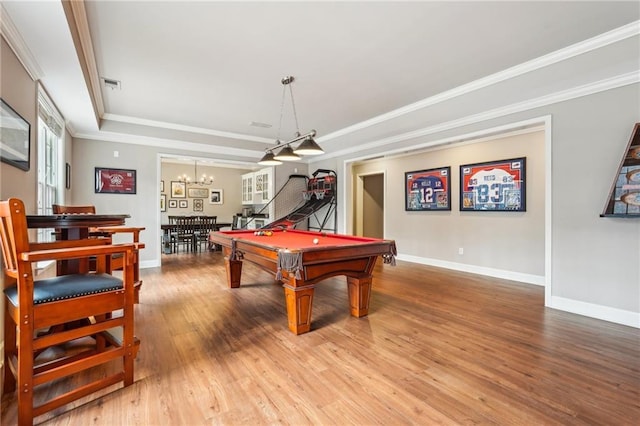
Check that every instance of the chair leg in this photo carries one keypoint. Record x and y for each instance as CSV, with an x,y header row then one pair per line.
x,y
25,374
10,350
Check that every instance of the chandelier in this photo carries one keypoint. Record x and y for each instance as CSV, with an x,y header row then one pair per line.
x,y
204,179
285,152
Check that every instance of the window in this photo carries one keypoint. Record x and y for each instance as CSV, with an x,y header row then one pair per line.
x,y
50,154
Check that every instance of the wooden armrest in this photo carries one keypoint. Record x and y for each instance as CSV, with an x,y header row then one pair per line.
x,y
60,244
77,252
135,230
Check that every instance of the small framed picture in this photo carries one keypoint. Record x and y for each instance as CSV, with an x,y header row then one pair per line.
x,y
198,205
115,181
161,186
163,202
173,204
178,189
215,196
198,192
183,204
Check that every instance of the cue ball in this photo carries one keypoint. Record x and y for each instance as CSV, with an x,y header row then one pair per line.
x,y
315,241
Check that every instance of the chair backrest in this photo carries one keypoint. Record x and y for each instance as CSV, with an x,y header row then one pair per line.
x,y
61,209
13,233
207,224
185,225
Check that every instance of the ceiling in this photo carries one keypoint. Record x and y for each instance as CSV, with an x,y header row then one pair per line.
x,y
195,75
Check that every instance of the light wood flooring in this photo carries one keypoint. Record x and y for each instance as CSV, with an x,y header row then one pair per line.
x,y
438,347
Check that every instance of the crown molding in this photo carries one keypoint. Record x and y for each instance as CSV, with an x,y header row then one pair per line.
x,y
566,95
169,144
597,42
16,42
183,128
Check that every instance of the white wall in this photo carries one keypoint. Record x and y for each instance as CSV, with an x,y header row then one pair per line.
x,y
509,242
593,263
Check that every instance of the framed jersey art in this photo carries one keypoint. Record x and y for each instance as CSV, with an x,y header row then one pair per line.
x,y
493,186
427,189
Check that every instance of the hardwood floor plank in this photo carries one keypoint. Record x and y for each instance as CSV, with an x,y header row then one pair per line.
x,y
438,347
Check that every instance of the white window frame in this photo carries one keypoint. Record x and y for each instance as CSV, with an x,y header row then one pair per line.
x,y
50,164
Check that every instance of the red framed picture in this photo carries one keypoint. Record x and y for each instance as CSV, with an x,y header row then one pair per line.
x,y
115,181
493,186
427,189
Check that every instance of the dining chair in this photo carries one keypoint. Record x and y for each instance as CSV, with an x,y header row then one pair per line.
x,y
205,225
173,233
185,232
35,310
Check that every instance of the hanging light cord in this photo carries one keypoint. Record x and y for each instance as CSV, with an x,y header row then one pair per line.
x,y
293,104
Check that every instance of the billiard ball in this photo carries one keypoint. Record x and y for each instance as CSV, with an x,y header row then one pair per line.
x,y
315,241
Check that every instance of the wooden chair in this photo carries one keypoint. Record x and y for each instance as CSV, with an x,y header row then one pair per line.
x,y
85,300
185,230
205,224
117,261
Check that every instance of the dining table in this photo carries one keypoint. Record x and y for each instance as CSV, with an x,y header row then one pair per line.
x,y
171,228
74,227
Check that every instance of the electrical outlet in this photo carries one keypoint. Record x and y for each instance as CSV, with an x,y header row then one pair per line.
x,y
460,250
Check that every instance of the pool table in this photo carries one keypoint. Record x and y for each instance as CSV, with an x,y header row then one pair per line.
x,y
300,259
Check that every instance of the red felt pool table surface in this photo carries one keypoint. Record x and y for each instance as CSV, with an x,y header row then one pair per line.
x,y
298,240
300,264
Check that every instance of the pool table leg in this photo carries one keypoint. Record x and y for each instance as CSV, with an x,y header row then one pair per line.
x,y
299,301
234,271
359,295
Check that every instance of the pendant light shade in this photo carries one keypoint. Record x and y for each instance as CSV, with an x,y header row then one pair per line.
x,y
308,147
287,154
269,160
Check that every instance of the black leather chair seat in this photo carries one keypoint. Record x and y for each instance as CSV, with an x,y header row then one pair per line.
x,y
67,287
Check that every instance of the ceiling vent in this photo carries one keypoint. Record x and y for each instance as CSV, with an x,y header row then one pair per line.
x,y
110,83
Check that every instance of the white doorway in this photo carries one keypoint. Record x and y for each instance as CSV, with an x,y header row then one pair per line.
x,y
369,200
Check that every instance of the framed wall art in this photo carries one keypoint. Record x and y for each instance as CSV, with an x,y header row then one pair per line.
x,y
198,192
15,137
163,202
178,189
494,186
161,186
173,204
624,196
427,189
198,205
215,196
183,204
115,181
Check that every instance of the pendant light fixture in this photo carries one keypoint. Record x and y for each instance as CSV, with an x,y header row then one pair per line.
x,y
285,152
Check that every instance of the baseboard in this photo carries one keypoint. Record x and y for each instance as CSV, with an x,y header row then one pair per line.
x,y
605,313
481,270
149,263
